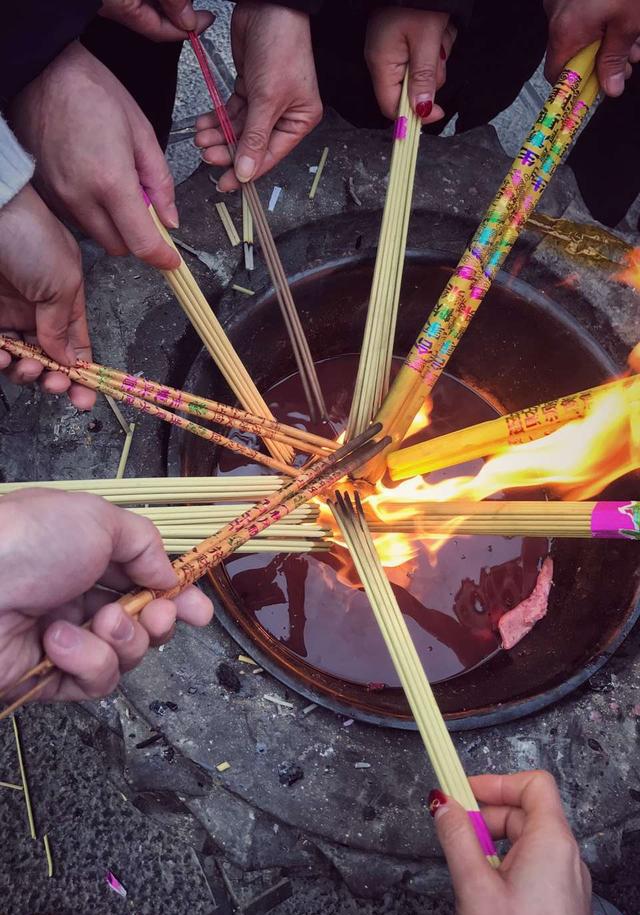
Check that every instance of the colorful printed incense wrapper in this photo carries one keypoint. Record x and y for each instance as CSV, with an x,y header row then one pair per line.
x,y
400,128
616,520
483,834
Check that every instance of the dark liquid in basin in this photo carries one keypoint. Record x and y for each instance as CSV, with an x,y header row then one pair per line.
x,y
451,601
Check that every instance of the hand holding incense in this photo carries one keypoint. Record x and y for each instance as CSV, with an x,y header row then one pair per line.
x,y
312,480
433,730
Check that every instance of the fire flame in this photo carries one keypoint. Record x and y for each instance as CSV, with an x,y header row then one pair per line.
x,y
577,461
630,276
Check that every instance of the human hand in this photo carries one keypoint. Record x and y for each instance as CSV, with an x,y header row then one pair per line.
x,y
170,22
542,871
94,148
61,557
276,100
397,38
574,24
42,294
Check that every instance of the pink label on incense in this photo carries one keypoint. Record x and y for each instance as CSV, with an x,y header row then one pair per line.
x,y
400,129
486,842
618,520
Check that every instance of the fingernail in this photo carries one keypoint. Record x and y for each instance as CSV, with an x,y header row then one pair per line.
x,y
123,629
614,85
66,636
172,216
245,168
436,800
443,53
424,106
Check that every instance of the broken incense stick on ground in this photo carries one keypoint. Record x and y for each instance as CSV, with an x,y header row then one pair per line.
x,y
124,457
23,776
242,289
318,173
117,412
227,222
247,232
48,855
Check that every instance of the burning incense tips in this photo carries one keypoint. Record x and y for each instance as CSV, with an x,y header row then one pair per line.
x,y
433,730
227,222
515,428
318,174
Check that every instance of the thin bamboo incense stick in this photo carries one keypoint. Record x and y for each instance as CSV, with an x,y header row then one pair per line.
x,y
164,490
124,425
313,480
48,855
124,457
372,380
23,776
95,382
489,247
433,730
301,350
495,435
227,222
247,232
318,174
210,331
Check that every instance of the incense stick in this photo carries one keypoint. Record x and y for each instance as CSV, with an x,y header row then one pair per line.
x,y
433,730
568,104
190,567
318,174
301,351
227,222
23,777
374,366
164,490
124,457
247,232
495,435
210,331
99,383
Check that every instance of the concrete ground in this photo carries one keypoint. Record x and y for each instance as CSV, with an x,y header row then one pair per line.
x,y
96,823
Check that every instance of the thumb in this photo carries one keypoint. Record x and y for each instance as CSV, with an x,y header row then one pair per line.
x,y
470,871
424,60
252,147
613,57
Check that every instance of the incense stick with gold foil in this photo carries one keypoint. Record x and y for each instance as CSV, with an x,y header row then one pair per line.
x,y
372,380
495,435
433,730
496,235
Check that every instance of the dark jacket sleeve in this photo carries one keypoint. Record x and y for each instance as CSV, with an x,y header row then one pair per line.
x,y
33,33
460,10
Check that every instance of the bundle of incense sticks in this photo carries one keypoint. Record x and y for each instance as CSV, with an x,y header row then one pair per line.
x,y
301,350
495,435
209,329
153,398
372,380
312,481
580,520
552,134
165,490
433,730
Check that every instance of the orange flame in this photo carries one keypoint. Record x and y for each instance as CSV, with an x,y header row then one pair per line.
x,y
630,276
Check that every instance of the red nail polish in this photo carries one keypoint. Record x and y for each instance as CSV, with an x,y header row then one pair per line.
x,y
443,53
436,799
424,109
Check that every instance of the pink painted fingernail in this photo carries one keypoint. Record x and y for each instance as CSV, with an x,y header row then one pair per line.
x,y
424,107
65,636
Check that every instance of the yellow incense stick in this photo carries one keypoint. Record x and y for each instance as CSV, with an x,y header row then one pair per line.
x,y
23,776
227,222
318,174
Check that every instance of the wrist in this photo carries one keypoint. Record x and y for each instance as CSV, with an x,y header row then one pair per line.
x,y
13,547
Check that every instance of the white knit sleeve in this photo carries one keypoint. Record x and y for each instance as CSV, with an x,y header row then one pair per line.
x,y
16,165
